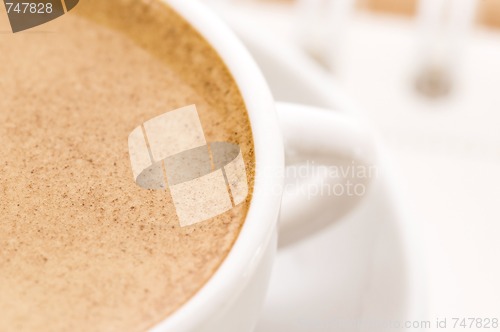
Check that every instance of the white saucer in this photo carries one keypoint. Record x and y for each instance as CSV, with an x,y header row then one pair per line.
x,y
361,274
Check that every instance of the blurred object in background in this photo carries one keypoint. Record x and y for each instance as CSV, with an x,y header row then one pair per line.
x,y
444,27
444,24
401,7
434,80
437,33
489,13
321,26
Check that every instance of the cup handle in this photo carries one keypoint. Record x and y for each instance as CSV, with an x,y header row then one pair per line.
x,y
317,136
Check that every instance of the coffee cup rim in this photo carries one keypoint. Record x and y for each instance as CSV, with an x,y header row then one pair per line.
x,y
260,223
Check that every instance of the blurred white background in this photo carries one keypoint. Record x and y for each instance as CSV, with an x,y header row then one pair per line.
x,y
426,75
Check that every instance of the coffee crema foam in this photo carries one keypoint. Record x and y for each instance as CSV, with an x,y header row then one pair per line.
x,y
82,246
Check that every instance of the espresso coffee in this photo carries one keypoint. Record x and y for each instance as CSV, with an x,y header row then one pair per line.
x,y
82,246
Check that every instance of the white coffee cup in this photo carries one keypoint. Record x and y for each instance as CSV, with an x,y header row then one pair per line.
x,y
231,300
